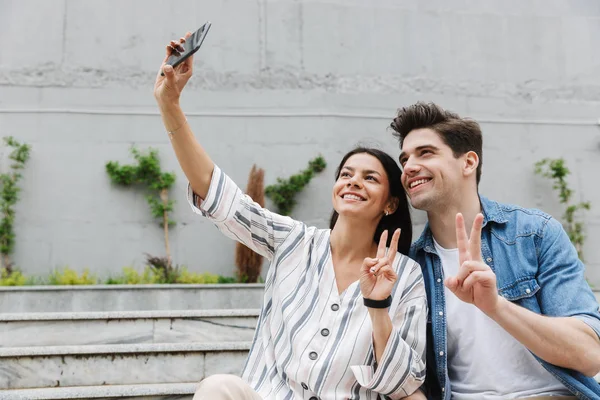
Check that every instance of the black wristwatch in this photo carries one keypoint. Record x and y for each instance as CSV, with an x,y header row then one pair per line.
x,y
378,303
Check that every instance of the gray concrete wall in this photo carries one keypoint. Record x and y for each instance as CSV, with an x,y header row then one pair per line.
x,y
277,83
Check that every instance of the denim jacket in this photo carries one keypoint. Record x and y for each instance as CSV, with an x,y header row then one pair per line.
x,y
536,267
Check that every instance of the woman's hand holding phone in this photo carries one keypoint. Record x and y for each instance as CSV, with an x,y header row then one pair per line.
x,y
170,81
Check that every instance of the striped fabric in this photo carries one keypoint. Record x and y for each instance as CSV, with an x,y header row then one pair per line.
x,y
312,342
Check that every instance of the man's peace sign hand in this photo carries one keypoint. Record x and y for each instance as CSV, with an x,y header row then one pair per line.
x,y
475,282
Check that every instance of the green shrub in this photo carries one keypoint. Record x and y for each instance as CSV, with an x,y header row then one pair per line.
x,y
193,277
14,278
283,193
131,276
227,279
67,276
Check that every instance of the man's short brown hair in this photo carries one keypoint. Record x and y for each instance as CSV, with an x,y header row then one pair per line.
x,y
460,134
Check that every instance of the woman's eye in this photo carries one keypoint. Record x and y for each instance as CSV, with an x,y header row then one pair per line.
x,y
344,174
371,178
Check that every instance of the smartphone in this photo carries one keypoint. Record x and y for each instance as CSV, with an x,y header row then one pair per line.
x,y
191,45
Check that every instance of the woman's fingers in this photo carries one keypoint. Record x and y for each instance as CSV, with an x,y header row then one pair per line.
x,y
176,46
394,246
382,244
382,262
368,263
388,272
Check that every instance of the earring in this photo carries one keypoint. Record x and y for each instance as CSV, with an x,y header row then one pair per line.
x,y
387,213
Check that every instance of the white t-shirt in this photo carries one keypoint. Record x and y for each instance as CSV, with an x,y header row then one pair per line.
x,y
485,361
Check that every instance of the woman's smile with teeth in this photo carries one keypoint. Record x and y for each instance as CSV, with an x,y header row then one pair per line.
x,y
349,196
418,182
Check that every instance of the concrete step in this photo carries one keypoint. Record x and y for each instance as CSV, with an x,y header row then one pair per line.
x,y
121,364
26,299
169,391
90,328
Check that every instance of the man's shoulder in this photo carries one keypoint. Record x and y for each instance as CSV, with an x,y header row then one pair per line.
x,y
515,217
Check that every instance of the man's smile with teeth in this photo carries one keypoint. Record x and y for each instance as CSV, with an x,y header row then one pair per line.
x,y
418,182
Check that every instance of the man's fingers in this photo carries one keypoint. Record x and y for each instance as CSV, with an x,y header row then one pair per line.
x,y
477,277
469,267
382,244
475,238
462,241
451,283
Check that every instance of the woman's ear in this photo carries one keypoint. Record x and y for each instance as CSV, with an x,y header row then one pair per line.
x,y
392,205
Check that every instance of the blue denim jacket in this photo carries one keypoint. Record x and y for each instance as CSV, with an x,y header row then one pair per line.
x,y
536,267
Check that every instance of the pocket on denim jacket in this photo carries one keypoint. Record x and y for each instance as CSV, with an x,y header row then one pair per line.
x,y
522,288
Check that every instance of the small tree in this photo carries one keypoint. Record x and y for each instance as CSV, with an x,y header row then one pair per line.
x,y
283,193
147,173
8,199
556,169
247,261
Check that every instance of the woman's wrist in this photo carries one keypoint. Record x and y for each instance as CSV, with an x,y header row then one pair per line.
x,y
173,117
169,106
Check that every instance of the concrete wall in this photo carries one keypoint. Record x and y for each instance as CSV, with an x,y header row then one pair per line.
x,y
278,82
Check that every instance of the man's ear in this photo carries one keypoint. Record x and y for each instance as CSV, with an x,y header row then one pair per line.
x,y
471,163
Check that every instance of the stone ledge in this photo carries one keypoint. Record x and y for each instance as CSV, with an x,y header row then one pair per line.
x,y
101,392
115,349
156,286
115,315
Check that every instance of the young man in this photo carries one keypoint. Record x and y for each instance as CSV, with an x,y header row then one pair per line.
x,y
510,313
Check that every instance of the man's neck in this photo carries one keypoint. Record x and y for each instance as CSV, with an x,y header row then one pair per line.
x,y
442,222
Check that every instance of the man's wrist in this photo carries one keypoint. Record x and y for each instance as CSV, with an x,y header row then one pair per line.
x,y
500,310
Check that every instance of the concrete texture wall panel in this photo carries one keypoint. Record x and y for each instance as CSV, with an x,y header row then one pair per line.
x,y
278,82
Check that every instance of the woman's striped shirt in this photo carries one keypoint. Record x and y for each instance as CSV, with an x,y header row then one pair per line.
x,y
312,342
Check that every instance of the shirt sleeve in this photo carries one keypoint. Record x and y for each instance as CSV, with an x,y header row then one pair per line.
x,y
238,217
564,291
401,370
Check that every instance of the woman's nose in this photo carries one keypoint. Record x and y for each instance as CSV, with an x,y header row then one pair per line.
x,y
353,182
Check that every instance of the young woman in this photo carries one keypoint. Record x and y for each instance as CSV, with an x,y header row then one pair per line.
x,y
344,312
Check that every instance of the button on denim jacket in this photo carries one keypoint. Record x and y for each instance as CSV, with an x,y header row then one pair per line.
x,y
536,267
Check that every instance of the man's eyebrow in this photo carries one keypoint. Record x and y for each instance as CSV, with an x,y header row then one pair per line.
x,y
426,146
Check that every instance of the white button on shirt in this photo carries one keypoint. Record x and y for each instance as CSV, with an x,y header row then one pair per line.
x,y
292,350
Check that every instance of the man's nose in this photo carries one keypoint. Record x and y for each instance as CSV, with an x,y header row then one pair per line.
x,y
410,168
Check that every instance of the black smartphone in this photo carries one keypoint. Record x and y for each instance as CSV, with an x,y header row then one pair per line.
x,y
191,45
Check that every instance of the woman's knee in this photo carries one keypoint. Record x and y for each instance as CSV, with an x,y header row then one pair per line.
x,y
217,384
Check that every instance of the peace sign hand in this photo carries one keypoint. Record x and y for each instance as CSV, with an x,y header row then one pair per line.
x,y
475,282
377,276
